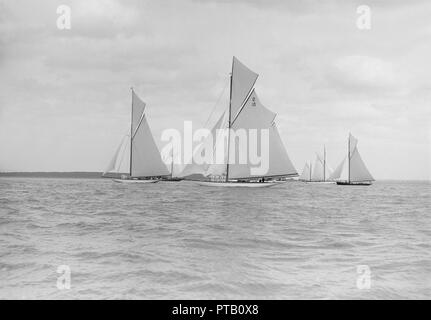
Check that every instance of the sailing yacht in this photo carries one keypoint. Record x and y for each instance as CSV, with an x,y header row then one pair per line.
x,y
353,171
145,162
336,174
170,158
245,111
306,173
321,172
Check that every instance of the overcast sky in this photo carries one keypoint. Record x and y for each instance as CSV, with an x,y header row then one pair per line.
x,y
65,97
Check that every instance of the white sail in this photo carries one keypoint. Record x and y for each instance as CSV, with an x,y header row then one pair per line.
x,y
146,160
337,172
353,143
218,168
115,165
255,116
358,170
113,162
317,174
169,157
193,167
279,161
123,161
138,109
243,80
345,171
305,175
328,171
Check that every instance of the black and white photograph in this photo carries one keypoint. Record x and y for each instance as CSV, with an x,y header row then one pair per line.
x,y
215,150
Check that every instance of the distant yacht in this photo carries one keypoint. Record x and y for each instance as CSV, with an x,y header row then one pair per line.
x,y
145,162
306,173
320,173
353,171
245,112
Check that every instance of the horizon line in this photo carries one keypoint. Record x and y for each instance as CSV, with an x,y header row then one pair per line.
x,y
101,172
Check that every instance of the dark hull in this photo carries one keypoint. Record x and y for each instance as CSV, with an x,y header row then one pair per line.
x,y
345,183
172,180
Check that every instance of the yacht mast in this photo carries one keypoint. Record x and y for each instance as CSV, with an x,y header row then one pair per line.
x,y
324,162
172,164
131,134
348,156
310,170
229,125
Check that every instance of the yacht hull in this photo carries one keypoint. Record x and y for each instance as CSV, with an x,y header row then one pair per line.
x,y
345,183
237,184
171,180
134,181
321,182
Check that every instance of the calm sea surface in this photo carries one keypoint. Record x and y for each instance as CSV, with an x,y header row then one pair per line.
x,y
179,240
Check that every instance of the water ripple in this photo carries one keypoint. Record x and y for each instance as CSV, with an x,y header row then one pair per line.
x,y
178,240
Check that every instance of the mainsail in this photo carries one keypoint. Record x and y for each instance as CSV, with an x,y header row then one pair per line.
x,y
317,174
255,116
194,168
306,173
358,170
146,159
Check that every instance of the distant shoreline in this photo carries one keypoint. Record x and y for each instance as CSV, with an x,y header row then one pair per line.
x,y
76,175
98,175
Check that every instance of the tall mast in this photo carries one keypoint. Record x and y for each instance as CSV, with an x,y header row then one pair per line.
x,y
172,164
131,134
324,162
348,156
310,170
229,124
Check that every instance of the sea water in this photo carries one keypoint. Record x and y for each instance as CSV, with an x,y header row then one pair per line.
x,y
96,239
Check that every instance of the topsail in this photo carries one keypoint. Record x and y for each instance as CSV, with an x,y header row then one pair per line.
x,y
243,80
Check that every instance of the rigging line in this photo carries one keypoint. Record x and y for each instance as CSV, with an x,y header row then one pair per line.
x,y
216,104
139,124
